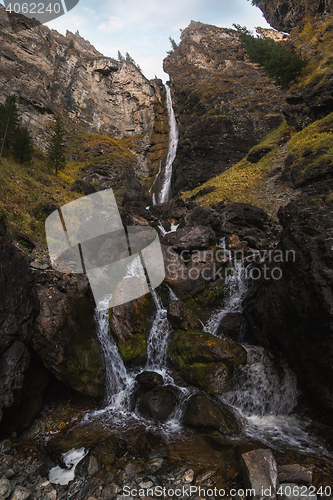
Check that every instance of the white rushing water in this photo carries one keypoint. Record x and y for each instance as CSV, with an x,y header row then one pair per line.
x,y
159,335
164,175
58,475
236,287
264,391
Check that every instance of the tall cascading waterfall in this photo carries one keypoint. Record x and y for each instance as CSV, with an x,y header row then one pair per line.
x,y
159,334
163,178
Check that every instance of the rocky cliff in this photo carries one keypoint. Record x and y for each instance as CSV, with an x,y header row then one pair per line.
x,y
286,14
93,93
224,104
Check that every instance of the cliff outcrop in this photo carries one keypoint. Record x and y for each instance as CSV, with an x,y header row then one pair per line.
x,y
93,93
286,14
224,104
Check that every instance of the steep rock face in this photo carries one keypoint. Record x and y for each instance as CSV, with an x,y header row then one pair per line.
x,y
98,94
65,337
18,308
294,313
286,14
224,104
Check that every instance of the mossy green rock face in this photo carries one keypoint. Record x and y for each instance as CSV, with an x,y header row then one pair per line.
x,y
211,377
130,323
204,360
195,346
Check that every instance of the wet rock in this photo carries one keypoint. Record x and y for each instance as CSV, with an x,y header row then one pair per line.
x,y
159,404
181,316
198,346
203,412
130,324
188,238
295,473
285,312
204,216
149,380
230,326
5,487
240,218
260,473
153,465
188,476
93,465
18,308
20,493
82,187
65,338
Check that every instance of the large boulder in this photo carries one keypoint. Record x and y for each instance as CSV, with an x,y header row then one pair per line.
x,y
18,308
131,323
294,311
159,403
204,360
190,238
243,220
260,473
65,337
204,413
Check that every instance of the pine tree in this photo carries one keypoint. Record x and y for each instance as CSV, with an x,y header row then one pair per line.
x,y
120,56
22,145
56,148
8,122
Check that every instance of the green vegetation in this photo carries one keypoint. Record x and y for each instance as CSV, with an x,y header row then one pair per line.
x,y
22,145
56,148
71,44
278,62
174,46
14,139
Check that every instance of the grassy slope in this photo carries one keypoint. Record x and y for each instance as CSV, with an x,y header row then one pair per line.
x,y
24,189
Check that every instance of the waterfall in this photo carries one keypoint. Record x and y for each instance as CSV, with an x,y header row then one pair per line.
x,y
116,376
158,339
164,176
236,287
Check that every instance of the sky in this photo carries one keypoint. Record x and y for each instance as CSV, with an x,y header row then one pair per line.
x,y
143,27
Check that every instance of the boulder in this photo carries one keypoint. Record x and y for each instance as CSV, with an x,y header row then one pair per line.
x,y
260,473
159,403
240,218
130,323
195,346
230,326
149,380
204,360
204,413
19,307
295,473
295,312
181,316
82,187
204,216
65,337
190,238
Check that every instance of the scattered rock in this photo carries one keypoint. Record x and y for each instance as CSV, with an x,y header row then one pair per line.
x,y
188,238
295,474
21,493
260,473
292,491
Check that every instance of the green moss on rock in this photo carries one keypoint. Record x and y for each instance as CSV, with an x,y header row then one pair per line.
x,y
133,351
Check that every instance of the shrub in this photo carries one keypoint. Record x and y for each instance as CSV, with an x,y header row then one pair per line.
x,y
279,62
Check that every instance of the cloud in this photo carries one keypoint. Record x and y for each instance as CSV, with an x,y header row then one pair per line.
x,y
113,23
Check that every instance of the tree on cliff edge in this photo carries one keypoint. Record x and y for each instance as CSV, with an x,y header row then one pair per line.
x,y
56,149
8,122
